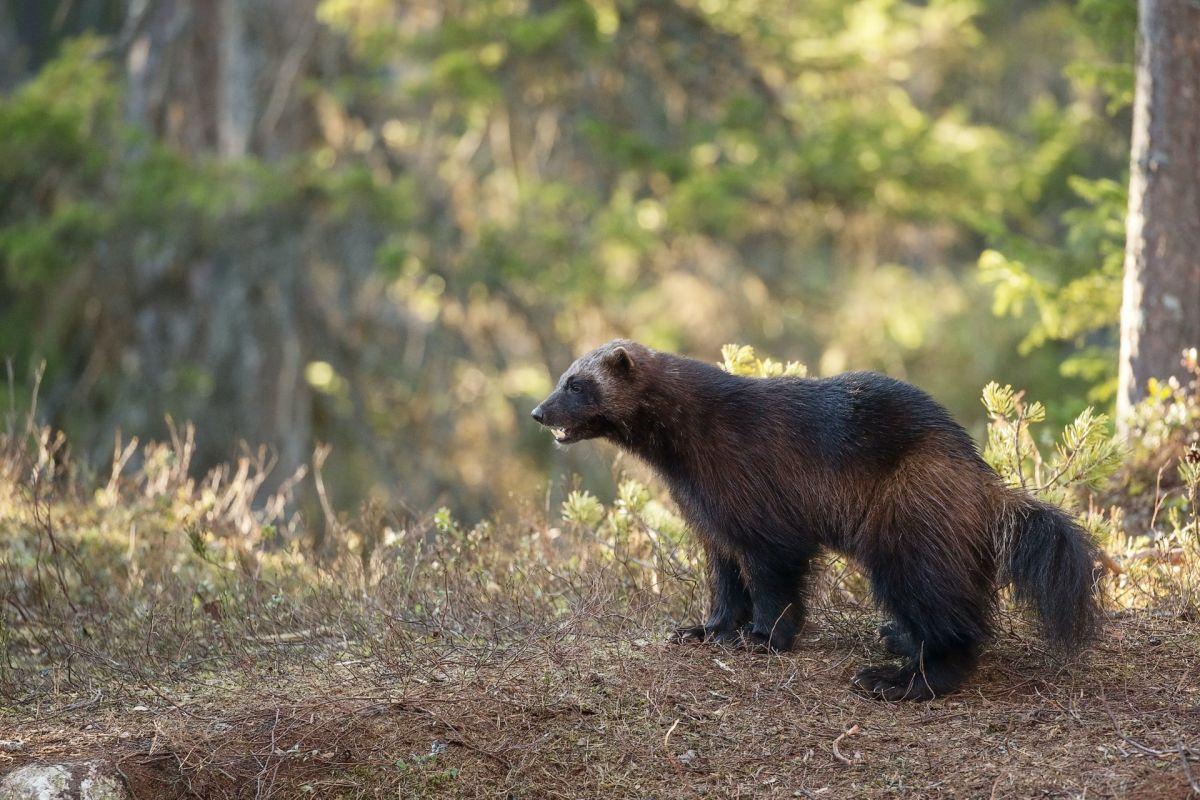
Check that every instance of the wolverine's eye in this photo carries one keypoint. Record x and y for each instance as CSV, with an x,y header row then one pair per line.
x,y
574,388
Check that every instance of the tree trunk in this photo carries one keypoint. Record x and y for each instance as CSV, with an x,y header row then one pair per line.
x,y
1160,314
221,77
230,314
10,58
236,75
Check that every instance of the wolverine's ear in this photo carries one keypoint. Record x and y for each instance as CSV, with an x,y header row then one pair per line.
x,y
620,361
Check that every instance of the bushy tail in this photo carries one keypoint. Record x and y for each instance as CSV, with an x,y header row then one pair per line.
x,y
1052,567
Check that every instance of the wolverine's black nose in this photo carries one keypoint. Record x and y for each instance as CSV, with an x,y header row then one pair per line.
x,y
537,415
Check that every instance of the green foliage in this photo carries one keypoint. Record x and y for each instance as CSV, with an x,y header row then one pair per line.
x,y
52,150
1159,486
444,522
1109,67
639,530
1069,275
1075,290
467,198
1167,420
1085,455
582,508
1189,473
732,163
741,360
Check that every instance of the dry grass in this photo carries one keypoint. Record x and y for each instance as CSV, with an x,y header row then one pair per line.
x,y
182,632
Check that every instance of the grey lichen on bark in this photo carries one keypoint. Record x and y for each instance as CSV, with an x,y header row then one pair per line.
x,y
1160,314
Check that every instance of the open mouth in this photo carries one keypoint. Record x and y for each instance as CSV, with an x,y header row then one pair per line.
x,y
561,435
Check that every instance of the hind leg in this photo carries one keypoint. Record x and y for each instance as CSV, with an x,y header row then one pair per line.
x,y
918,678
730,605
942,615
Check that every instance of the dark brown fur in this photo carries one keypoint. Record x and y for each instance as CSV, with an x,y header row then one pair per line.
x,y
769,471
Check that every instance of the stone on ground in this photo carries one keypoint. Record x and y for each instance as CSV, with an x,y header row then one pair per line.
x,y
89,780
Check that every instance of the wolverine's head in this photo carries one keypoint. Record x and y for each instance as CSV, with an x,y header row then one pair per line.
x,y
593,395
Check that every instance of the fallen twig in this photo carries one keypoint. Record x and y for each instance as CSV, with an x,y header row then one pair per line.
x,y
667,747
1187,769
290,637
837,753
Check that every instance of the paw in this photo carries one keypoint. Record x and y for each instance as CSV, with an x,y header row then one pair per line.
x,y
893,683
895,639
719,634
755,642
693,633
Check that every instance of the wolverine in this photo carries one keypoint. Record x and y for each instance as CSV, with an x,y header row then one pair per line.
x,y
769,471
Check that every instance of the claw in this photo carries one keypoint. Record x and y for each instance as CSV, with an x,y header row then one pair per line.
x,y
693,633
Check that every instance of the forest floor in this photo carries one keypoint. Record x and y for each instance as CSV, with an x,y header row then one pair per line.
x,y
201,644
576,711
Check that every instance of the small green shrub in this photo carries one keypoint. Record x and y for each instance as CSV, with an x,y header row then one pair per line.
x,y
1084,456
741,360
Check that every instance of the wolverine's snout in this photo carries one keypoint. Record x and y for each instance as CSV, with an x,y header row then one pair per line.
x,y
561,422
547,412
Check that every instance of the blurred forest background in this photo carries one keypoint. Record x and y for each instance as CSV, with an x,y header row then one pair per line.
x,y
386,226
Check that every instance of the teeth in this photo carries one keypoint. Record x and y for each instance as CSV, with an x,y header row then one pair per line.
x,y
559,433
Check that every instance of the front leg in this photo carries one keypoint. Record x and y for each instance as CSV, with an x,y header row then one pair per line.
x,y
777,583
730,606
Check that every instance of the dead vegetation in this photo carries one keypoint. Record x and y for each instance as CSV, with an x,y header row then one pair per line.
x,y
193,636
